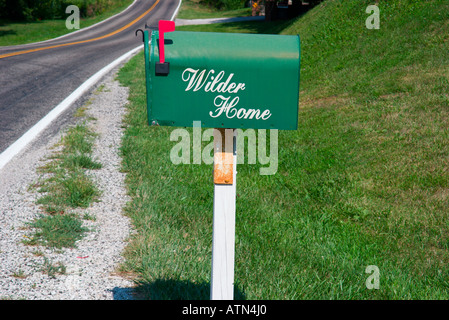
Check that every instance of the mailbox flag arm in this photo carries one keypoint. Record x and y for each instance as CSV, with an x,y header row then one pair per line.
x,y
164,26
162,67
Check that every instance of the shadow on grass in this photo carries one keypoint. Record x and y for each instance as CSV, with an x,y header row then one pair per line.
x,y
169,289
256,27
7,32
271,27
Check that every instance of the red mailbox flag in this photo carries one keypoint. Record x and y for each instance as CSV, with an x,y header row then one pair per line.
x,y
164,26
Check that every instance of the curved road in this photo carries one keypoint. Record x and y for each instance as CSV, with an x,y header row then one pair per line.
x,y
34,78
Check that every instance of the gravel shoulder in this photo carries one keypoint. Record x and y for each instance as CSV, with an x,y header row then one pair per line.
x,y
91,266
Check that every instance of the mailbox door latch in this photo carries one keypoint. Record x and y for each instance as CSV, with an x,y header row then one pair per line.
x,y
162,69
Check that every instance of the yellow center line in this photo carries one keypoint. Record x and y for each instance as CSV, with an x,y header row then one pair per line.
x,y
83,41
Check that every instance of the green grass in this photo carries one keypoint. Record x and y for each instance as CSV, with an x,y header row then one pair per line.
x,y
73,190
272,27
363,181
57,231
192,9
15,33
65,185
52,269
68,185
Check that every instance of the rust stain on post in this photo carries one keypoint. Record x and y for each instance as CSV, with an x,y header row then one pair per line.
x,y
223,156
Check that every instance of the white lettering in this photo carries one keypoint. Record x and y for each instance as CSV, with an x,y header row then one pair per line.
x,y
373,21
196,80
210,311
228,108
241,113
372,282
251,113
210,82
221,105
266,114
216,80
75,17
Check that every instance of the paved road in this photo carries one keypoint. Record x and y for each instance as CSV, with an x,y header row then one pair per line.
x,y
35,78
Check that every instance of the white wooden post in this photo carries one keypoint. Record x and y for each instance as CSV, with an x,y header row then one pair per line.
x,y
223,238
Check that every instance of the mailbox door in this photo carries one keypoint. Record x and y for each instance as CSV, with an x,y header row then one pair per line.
x,y
226,81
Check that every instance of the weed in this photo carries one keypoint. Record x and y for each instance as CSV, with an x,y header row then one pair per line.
x,y
19,274
66,186
57,231
51,269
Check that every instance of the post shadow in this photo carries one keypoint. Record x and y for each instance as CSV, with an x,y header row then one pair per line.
x,y
171,289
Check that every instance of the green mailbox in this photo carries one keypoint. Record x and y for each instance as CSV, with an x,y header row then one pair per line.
x,y
224,80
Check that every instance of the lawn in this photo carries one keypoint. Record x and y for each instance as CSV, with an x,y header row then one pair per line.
x,y
363,181
192,9
15,33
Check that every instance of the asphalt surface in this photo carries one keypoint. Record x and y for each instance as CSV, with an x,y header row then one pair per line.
x,y
33,83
